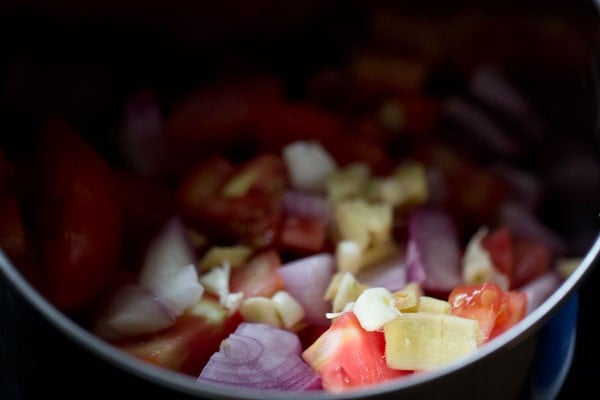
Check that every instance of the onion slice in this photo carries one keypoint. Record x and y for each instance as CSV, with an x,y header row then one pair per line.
x,y
260,356
306,279
433,251
133,311
168,285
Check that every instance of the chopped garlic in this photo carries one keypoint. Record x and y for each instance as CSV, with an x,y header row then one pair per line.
x,y
347,291
348,182
374,308
289,309
348,256
407,186
216,256
407,299
365,223
262,310
216,281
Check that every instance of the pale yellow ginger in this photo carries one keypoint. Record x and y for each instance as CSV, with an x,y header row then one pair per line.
x,y
425,341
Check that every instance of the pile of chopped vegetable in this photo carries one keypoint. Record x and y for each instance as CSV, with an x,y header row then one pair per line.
x,y
253,240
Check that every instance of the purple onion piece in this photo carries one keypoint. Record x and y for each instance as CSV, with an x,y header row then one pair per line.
x,y
433,251
390,274
260,358
306,279
307,205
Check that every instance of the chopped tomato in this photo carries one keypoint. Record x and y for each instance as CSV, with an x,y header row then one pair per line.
x,y
235,205
499,244
346,356
494,309
303,235
532,259
187,345
259,276
516,311
80,219
203,181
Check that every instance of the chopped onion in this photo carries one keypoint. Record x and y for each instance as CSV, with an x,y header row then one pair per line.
x,y
309,165
133,311
169,269
167,286
260,356
433,252
389,274
307,205
306,279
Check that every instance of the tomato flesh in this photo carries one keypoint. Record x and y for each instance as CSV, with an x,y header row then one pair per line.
x,y
347,356
80,219
494,309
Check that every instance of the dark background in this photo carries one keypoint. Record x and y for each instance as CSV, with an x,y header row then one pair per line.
x,y
82,59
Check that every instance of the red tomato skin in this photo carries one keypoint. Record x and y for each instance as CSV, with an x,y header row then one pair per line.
x,y
187,345
494,309
80,219
499,244
516,311
532,259
482,303
303,235
203,181
346,356
252,218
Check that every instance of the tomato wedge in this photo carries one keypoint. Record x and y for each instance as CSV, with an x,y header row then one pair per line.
x,y
187,345
235,204
494,309
499,244
259,276
532,259
347,356
79,220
